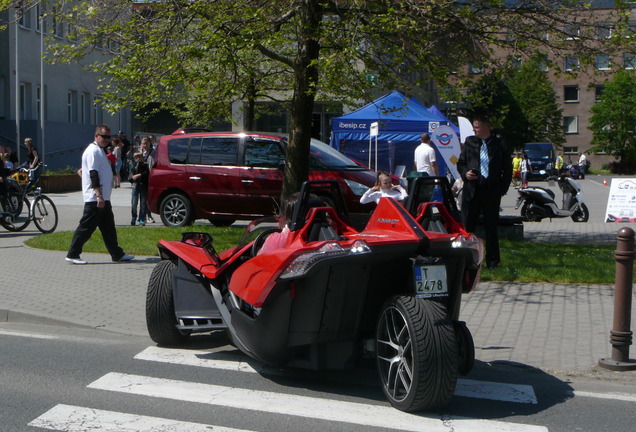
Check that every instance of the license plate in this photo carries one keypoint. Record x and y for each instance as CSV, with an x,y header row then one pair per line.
x,y
430,281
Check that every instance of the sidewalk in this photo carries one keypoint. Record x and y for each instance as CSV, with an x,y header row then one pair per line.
x,y
553,327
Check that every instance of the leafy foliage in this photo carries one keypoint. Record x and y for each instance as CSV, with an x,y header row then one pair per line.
x,y
195,58
520,101
613,120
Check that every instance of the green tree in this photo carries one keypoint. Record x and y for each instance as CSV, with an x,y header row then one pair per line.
x,y
196,57
521,103
542,119
613,120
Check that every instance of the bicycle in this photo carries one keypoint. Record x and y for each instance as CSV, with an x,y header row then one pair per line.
x,y
18,210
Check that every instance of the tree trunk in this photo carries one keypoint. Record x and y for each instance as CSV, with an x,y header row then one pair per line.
x,y
304,94
248,108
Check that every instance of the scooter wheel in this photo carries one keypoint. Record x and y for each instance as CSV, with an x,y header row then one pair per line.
x,y
528,214
582,214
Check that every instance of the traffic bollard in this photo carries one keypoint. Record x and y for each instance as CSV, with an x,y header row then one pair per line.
x,y
621,335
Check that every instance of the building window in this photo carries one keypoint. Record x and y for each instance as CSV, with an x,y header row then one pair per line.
x,y
570,150
40,16
570,124
603,62
84,110
516,61
98,113
543,62
58,27
475,69
572,31
571,63
25,19
71,106
598,92
570,93
604,30
629,61
38,102
23,102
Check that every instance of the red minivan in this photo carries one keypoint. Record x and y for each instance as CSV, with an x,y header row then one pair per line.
x,y
225,176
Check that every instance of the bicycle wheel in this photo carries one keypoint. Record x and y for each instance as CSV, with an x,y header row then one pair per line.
x,y
19,213
44,214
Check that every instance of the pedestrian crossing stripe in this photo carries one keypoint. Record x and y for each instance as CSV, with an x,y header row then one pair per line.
x,y
80,419
301,406
515,393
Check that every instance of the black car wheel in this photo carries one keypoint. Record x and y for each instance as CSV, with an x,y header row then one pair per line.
x,y
466,347
160,315
582,214
176,211
417,352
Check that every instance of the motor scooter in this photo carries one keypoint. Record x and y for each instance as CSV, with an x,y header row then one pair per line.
x,y
538,203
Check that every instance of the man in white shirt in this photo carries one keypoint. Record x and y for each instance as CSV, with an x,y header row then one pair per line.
x,y
424,157
582,164
97,181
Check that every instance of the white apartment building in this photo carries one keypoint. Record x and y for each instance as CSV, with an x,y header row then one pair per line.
x,y
52,103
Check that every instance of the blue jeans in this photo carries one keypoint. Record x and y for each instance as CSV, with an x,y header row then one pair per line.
x,y
139,199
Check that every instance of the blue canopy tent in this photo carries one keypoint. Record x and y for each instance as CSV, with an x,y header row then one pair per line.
x,y
436,112
401,121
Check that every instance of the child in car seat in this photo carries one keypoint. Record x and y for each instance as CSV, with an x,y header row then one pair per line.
x,y
384,187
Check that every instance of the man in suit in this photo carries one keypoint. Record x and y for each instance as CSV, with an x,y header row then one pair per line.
x,y
485,165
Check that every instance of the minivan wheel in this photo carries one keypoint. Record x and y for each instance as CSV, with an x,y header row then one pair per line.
x,y
176,211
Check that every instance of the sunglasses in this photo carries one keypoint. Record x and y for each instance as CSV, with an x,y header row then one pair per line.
x,y
105,136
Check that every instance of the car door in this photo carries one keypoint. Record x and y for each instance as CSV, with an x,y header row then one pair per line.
x,y
262,176
213,175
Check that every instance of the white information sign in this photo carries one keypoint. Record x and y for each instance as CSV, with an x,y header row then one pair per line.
x,y
373,130
621,203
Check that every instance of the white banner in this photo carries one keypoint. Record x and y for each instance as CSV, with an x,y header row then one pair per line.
x,y
621,203
447,142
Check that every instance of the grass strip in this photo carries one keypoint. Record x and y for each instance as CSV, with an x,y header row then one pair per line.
x,y
521,261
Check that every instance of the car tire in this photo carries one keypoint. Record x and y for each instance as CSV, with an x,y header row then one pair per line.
x,y
417,353
176,210
160,315
582,214
466,347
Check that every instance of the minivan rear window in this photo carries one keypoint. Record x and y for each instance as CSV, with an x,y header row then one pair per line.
x,y
213,151
178,150
263,153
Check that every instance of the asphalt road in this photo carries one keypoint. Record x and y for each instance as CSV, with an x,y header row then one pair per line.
x,y
65,379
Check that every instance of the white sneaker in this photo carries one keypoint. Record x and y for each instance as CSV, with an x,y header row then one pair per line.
x,y
75,261
125,258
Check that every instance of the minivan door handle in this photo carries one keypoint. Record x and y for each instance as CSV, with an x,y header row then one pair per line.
x,y
195,178
247,181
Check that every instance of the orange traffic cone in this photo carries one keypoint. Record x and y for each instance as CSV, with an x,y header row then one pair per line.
x,y
604,182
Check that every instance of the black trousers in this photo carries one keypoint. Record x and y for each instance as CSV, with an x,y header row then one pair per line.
x,y
93,218
484,203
